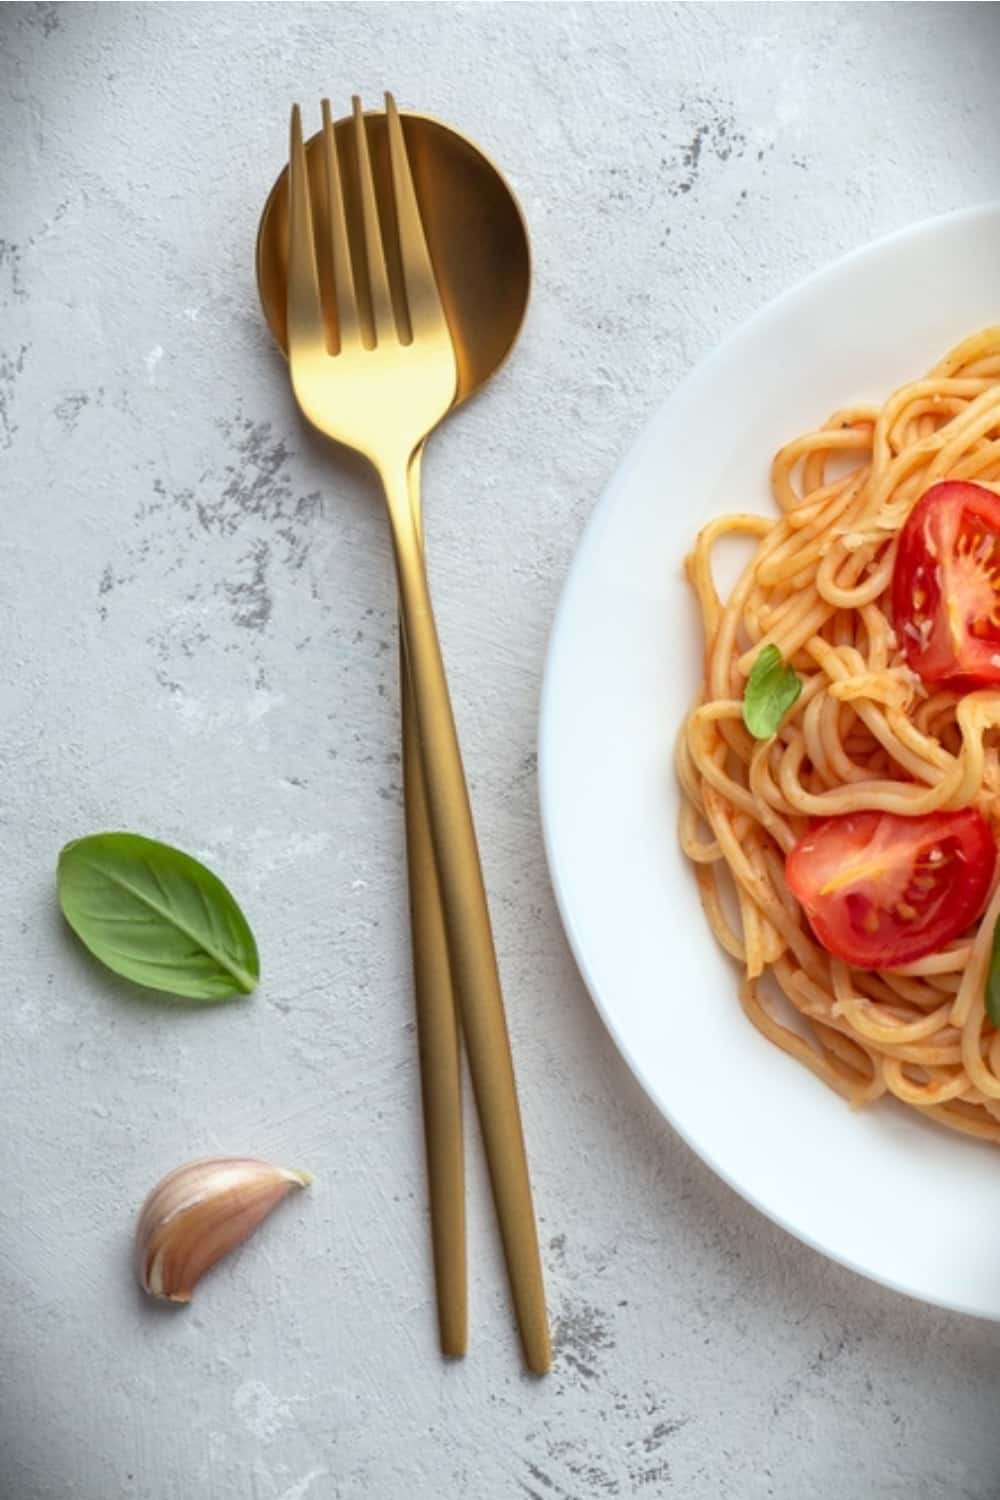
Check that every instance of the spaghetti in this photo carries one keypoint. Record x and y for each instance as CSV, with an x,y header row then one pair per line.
x,y
865,733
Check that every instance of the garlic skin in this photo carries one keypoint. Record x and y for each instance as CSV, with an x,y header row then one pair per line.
x,y
201,1211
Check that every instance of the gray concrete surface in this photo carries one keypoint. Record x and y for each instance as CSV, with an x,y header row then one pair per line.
x,y
197,618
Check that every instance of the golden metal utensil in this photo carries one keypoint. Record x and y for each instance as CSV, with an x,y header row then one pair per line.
x,y
479,247
343,408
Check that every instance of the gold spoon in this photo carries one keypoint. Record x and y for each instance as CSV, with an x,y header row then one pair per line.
x,y
479,246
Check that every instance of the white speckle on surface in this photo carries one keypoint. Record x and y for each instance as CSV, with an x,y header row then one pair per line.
x,y
262,703
194,712
198,616
262,1414
298,1490
151,360
787,113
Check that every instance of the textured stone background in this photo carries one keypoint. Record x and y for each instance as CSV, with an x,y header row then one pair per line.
x,y
197,614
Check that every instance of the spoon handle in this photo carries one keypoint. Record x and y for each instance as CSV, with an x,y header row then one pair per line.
x,y
467,924
437,1023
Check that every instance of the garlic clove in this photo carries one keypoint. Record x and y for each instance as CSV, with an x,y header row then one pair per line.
x,y
201,1211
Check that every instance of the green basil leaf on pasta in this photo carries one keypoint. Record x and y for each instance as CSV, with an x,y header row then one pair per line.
x,y
992,996
772,688
156,916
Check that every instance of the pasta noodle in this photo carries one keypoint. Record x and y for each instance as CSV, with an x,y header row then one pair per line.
x,y
865,733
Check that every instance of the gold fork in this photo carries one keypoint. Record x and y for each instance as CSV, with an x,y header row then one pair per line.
x,y
381,391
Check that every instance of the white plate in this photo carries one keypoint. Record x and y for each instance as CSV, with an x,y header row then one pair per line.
x,y
895,1198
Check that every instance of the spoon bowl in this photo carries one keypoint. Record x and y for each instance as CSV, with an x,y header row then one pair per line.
x,y
475,232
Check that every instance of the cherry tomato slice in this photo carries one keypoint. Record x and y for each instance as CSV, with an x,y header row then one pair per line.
x,y
881,890
946,586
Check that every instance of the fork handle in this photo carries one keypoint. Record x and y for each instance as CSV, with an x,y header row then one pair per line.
x,y
470,938
437,1025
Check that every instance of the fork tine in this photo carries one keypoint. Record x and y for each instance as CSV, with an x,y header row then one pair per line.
x,y
383,316
305,308
348,325
419,279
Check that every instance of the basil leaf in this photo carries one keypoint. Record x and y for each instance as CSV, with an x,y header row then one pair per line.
x,y
772,688
156,916
992,996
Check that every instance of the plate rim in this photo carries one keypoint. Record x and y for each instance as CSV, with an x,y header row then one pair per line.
x,y
701,373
